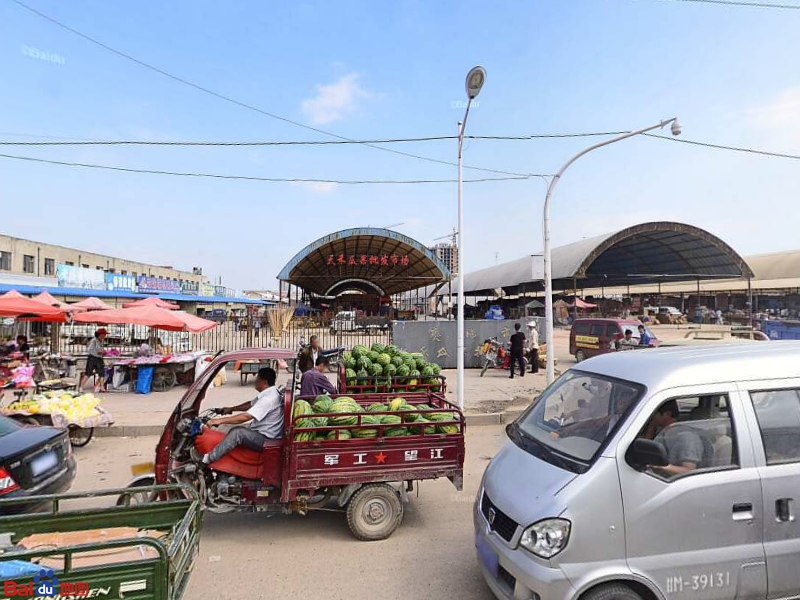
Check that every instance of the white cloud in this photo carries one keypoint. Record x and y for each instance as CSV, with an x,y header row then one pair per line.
x,y
321,187
334,101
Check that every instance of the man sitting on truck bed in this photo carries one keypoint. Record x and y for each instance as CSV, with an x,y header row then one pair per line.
x,y
264,413
314,381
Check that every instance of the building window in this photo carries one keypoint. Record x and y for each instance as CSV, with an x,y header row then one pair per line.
x,y
5,261
49,266
123,272
85,266
69,263
133,273
28,263
99,268
112,270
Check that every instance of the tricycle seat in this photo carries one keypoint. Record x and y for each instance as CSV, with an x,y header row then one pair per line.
x,y
242,461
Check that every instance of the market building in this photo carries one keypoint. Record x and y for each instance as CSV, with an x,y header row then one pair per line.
x,y
648,256
362,269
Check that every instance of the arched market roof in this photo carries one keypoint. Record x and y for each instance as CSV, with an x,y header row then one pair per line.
x,y
366,259
646,253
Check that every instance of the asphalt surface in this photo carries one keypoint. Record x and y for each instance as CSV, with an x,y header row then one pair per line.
x,y
252,556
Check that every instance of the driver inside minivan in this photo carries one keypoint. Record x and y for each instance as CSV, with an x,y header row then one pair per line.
x,y
683,446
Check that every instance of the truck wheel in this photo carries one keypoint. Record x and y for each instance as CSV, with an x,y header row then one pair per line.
x,y
612,591
374,512
580,356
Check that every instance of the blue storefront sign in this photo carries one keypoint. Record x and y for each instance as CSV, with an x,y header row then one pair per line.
x,y
118,283
154,285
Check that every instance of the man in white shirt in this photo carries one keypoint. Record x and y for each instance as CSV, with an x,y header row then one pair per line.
x,y
533,346
264,413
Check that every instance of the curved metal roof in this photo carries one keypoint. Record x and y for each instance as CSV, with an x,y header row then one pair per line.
x,y
645,253
366,258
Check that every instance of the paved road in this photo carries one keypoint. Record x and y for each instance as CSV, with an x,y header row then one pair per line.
x,y
250,556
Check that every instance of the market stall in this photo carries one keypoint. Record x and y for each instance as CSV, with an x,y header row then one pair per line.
x,y
151,370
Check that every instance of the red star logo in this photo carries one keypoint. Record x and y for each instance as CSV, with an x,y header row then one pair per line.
x,y
381,458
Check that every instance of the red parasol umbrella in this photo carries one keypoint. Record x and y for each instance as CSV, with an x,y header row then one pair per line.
x,y
14,304
92,303
47,298
152,301
151,316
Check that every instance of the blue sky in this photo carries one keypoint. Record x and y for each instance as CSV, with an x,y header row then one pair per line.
x,y
372,70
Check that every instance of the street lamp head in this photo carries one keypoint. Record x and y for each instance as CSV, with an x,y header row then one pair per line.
x,y
676,127
475,79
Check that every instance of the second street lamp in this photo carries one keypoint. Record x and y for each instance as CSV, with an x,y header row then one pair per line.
x,y
548,271
475,80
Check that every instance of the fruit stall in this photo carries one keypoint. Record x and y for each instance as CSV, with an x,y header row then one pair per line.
x,y
79,413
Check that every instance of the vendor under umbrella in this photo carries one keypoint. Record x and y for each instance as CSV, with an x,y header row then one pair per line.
x,y
95,365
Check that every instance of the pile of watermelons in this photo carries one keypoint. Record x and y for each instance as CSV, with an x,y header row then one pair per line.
x,y
412,422
388,368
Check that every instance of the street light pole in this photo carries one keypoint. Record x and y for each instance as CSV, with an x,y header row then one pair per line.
x,y
475,79
548,272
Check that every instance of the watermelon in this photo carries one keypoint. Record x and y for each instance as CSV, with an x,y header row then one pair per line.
x,y
395,431
441,416
375,370
359,351
350,363
344,434
350,373
363,375
384,359
410,363
347,355
396,403
379,348
403,371
363,362
426,371
391,420
390,370
421,363
377,407
365,433
449,429
397,361
306,436
427,429
322,404
373,356
391,350
411,415
437,370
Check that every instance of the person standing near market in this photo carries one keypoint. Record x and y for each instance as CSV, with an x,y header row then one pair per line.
x,y
309,355
533,346
95,365
517,351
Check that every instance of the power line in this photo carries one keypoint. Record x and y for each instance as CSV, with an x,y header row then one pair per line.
x,y
265,179
95,142
239,102
721,147
741,3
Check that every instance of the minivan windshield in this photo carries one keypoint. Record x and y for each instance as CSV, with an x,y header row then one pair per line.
x,y
574,417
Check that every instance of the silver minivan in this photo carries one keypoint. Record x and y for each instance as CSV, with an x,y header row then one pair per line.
x,y
670,473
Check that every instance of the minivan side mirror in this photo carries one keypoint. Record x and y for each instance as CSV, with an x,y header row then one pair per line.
x,y
644,453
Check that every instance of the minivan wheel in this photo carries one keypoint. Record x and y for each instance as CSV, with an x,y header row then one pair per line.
x,y
580,356
612,591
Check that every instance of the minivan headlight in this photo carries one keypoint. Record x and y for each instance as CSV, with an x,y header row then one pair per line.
x,y
546,538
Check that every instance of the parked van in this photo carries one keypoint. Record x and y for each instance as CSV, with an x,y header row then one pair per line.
x,y
591,337
671,473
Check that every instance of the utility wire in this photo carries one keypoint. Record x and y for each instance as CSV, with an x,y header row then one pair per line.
x,y
90,142
84,142
239,102
741,3
721,147
266,179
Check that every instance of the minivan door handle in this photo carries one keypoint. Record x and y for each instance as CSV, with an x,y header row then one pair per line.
x,y
784,509
743,511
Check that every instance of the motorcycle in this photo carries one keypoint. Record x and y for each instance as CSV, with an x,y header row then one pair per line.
x,y
498,356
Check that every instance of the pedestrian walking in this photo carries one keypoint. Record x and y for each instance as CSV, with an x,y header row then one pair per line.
x,y
517,351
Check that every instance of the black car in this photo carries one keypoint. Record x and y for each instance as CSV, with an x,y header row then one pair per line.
x,y
33,460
